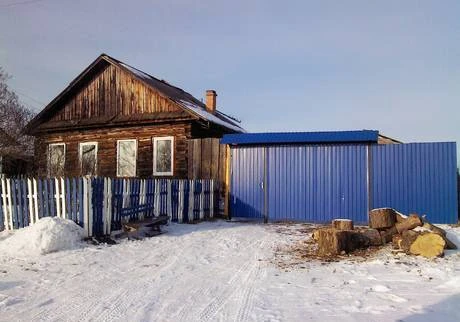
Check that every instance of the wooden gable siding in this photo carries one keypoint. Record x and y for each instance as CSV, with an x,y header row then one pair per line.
x,y
107,148
110,92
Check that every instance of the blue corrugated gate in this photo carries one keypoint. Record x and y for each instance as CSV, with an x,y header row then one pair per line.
x,y
312,183
247,197
319,183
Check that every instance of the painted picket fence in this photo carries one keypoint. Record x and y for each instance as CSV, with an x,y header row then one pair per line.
x,y
100,205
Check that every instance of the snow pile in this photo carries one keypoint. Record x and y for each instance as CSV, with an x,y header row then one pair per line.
x,y
49,234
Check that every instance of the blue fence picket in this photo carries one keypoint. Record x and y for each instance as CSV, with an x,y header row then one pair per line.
x,y
14,208
24,202
51,198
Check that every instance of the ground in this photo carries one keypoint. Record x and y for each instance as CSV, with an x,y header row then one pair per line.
x,y
220,271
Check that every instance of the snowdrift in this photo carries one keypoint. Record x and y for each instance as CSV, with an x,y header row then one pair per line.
x,y
49,234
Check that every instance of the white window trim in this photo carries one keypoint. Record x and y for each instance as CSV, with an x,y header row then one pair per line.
x,y
49,155
155,140
81,145
135,155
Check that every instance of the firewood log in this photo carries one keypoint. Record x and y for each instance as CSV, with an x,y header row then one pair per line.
x,y
410,223
387,234
428,245
342,224
400,217
382,218
373,235
396,241
407,238
440,232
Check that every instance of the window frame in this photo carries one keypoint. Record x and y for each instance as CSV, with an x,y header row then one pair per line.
x,y
155,140
49,156
80,147
135,157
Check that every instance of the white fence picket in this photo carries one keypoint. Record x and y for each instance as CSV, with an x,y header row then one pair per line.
x,y
57,197
142,190
157,196
62,197
30,199
5,205
8,198
35,198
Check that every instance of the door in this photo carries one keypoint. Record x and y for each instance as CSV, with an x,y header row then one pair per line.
x,y
247,182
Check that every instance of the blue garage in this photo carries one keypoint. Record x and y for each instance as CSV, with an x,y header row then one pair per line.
x,y
319,176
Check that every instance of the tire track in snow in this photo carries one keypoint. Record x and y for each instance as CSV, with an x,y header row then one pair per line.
x,y
191,292
131,292
213,308
247,303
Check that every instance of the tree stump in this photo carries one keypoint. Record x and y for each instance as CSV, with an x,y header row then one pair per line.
x,y
382,218
410,223
331,241
342,224
428,245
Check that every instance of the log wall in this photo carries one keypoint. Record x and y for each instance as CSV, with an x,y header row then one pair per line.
x,y
107,148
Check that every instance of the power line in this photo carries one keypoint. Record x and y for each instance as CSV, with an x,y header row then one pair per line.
x,y
31,98
19,3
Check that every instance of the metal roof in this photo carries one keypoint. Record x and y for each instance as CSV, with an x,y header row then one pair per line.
x,y
367,136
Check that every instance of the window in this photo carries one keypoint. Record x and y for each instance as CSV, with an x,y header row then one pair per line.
x,y
56,159
163,156
88,158
126,158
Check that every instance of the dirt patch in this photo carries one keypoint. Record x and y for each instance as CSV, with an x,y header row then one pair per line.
x,y
300,250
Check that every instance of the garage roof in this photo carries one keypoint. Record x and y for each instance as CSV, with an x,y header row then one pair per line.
x,y
362,136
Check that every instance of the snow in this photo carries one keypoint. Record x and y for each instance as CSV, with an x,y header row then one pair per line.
x,y
208,116
220,271
49,234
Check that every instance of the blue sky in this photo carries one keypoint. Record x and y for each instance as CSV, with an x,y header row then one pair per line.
x,y
393,66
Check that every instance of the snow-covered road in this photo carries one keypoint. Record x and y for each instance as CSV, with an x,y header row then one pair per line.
x,y
223,271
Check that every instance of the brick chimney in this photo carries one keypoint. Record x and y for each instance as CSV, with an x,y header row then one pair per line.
x,y
211,96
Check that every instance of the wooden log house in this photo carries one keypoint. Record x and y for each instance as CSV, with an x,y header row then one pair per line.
x,y
117,121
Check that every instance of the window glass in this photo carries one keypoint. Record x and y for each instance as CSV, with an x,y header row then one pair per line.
x,y
126,162
88,158
56,160
163,155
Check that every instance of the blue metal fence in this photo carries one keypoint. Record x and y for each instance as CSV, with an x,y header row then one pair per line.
x,y
416,178
100,205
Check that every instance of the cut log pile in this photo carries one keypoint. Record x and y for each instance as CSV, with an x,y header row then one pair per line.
x,y
411,234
